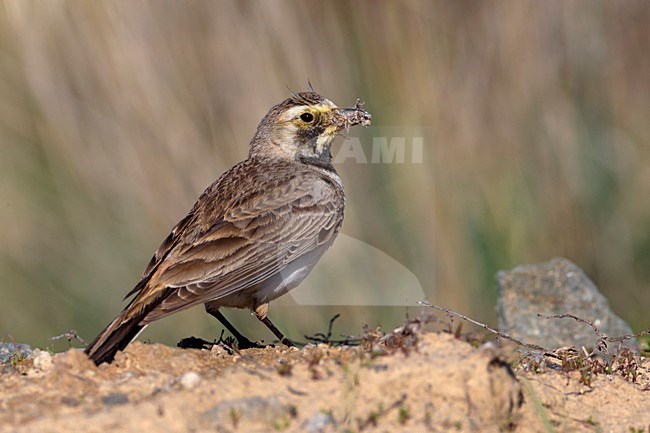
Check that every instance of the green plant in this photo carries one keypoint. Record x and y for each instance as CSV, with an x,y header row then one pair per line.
x,y
403,415
235,416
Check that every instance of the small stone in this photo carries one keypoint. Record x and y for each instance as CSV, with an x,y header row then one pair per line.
x,y
190,380
70,401
42,359
8,350
255,409
115,399
319,422
219,350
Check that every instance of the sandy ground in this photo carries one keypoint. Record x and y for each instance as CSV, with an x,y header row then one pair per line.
x,y
438,384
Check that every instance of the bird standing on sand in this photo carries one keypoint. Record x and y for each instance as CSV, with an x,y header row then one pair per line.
x,y
255,233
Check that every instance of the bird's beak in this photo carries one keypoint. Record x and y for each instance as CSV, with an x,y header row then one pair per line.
x,y
348,117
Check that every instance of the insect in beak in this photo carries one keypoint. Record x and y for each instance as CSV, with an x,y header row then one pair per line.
x,y
354,116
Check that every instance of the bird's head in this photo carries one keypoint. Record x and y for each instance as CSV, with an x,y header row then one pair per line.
x,y
301,128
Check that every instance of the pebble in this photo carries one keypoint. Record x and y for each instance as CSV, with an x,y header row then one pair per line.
x,y
219,351
318,422
190,380
115,399
255,409
42,359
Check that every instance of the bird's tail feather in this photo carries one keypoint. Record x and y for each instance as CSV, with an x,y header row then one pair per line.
x,y
124,328
116,336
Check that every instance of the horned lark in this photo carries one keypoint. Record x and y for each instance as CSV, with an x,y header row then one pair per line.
x,y
255,233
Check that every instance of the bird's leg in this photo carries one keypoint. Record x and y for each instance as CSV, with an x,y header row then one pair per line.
x,y
261,313
242,341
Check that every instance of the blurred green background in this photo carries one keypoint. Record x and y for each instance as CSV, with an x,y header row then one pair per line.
x,y
114,116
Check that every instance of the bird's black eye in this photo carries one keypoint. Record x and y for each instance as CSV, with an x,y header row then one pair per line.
x,y
307,117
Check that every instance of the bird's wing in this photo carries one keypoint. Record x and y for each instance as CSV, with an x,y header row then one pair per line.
x,y
161,253
243,248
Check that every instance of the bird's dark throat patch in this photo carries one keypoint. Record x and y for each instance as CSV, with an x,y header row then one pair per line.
x,y
324,160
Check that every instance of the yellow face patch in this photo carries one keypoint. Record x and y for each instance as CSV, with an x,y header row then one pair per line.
x,y
307,129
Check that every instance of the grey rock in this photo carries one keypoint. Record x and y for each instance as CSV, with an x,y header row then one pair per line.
x,y
319,422
254,409
551,288
7,350
116,399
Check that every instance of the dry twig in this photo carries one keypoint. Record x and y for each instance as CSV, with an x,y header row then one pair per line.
x,y
603,339
488,328
69,335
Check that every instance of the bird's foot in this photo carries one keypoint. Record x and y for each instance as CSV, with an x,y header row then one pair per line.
x,y
245,343
195,343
